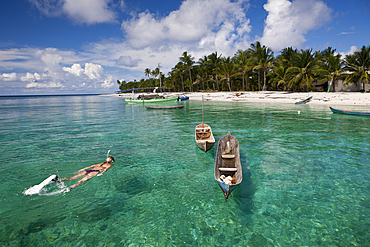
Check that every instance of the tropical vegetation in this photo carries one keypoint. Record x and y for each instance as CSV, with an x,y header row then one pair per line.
x,y
256,69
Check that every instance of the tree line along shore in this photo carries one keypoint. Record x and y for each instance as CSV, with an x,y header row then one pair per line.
x,y
257,69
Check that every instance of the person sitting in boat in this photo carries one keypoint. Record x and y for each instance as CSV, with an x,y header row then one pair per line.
x,y
96,170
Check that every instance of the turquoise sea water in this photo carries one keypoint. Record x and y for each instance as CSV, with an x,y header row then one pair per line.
x,y
305,176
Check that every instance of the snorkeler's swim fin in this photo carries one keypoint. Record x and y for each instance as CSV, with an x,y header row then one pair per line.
x,y
37,188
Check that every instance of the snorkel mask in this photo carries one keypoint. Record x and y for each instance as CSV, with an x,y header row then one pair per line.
x,y
109,159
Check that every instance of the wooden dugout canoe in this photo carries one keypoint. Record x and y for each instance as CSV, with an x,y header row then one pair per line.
x,y
165,107
228,169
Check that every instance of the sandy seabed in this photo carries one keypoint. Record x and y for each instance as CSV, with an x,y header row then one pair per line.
x,y
322,98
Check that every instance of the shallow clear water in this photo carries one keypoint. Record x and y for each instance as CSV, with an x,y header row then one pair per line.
x,y
305,176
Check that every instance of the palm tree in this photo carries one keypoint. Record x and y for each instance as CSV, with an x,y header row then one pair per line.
x,y
304,66
228,71
171,78
332,69
122,85
255,47
147,72
155,73
243,61
327,52
358,65
203,61
202,69
281,77
178,70
214,63
263,57
286,56
188,62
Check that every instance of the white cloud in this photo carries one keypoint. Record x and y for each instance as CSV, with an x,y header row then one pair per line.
x,y
81,11
9,76
89,11
93,71
346,33
37,76
30,77
352,50
287,22
50,73
195,21
108,82
49,57
76,69
127,61
44,85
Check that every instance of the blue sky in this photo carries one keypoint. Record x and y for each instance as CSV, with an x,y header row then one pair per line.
x,y
84,46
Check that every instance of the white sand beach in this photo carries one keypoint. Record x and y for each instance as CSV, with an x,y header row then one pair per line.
x,y
337,98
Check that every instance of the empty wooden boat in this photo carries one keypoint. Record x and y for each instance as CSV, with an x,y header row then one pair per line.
x,y
228,169
204,137
203,134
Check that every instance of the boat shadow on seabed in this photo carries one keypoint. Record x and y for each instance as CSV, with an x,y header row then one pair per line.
x,y
244,193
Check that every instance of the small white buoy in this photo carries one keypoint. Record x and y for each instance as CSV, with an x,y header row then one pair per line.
x,y
299,112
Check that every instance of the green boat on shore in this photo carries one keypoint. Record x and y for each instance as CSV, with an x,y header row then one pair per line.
x,y
358,113
147,101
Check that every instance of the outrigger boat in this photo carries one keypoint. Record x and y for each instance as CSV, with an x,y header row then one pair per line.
x,y
358,113
146,101
228,169
203,135
149,98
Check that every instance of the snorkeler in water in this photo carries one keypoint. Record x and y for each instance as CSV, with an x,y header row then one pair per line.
x,y
96,170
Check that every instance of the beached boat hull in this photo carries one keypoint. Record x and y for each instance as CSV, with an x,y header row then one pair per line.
x,y
204,137
228,164
304,101
184,98
165,107
147,101
357,113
